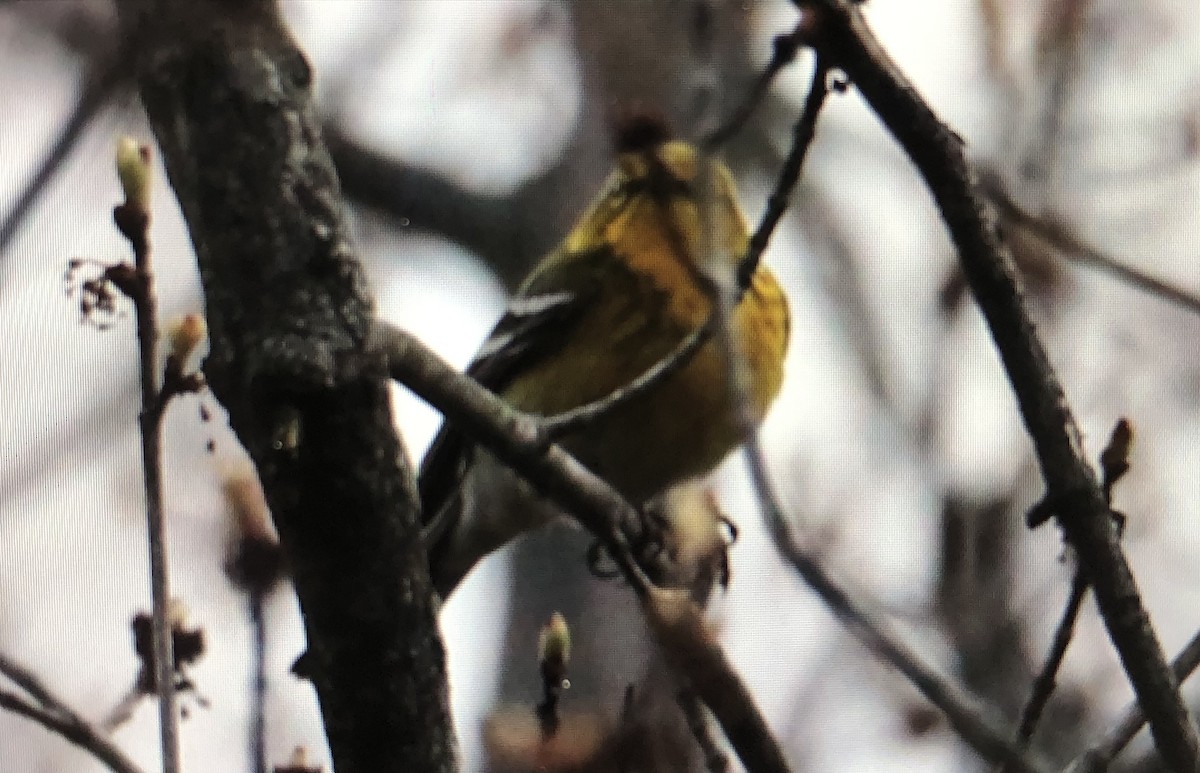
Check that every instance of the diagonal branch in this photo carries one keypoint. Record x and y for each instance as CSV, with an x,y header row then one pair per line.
x,y
97,93
1059,236
1072,486
1098,757
966,719
802,136
54,715
1046,681
517,440
783,52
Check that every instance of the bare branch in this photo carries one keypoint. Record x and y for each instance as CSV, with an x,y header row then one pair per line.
x,y
789,174
970,721
96,93
54,715
30,683
228,95
133,220
258,699
517,440
693,711
1081,509
1058,58
783,53
1044,684
565,423
1100,755
1059,236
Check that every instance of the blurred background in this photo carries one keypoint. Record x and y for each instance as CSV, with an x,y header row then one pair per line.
x,y
469,134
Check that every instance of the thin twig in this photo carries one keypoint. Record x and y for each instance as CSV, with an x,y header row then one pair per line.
x,y
95,95
54,715
516,440
1114,464
1073,248
715,759
258,700
782,54
133,220
1044,684
565,423
1059,47
789,174
1098,757
967,720
1080,507
30,683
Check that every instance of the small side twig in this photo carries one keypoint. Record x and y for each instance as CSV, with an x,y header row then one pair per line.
x,y
715,759
777,204
783,53
54,715
133,220
1100,755
1073,248
1045,683
1114,463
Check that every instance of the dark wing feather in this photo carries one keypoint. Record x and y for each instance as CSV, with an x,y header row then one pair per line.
x,y
537,323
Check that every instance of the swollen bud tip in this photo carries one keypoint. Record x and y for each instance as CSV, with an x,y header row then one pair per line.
x,y
186,335
135,171
554,644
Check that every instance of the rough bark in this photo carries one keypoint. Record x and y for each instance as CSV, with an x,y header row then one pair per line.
x,y
228,96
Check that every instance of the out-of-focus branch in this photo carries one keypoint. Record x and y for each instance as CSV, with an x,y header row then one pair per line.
x,y
1059,41
1114,463
1098,757
517,440
715,759
1046,681
54,715
783,53
97,92
1085,517
726,290
1061,238
970,721
503,232
229,98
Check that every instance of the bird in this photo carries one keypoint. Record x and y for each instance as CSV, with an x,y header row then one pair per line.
x,y
626,286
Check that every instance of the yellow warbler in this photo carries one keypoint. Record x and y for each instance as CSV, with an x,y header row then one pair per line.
x,y
621,292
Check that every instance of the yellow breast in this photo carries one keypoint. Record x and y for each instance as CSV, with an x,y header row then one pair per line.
x,y
648,303
643,245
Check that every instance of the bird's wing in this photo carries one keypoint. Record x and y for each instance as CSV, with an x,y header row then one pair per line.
x,y
537,323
